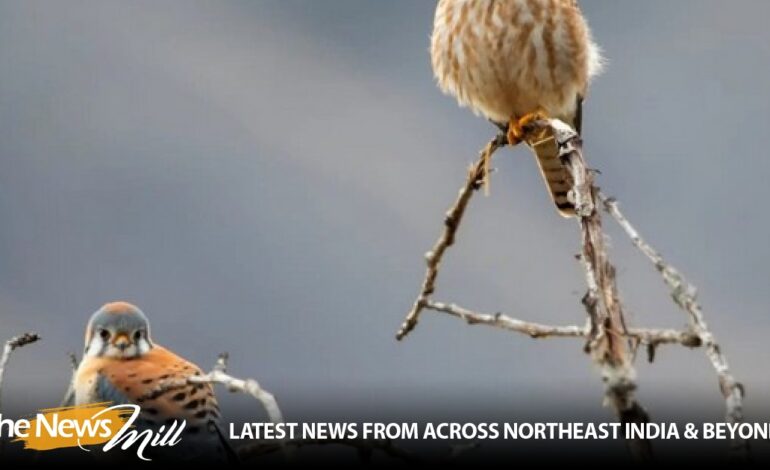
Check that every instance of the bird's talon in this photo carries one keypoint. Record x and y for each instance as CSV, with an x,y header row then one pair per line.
x,y
518,129
515,132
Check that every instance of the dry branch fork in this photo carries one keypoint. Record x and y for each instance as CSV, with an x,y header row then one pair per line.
x,y
610,343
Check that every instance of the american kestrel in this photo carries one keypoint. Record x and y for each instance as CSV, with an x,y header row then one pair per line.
x,y
121,364
514,61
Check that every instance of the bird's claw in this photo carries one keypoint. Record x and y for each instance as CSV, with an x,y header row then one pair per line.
x,y
518,127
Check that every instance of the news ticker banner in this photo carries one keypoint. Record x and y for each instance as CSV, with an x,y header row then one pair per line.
x,y
114,427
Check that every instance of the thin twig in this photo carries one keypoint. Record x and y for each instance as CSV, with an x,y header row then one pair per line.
x,y
647,336
10,346
69,395
219,375
684,295
476,177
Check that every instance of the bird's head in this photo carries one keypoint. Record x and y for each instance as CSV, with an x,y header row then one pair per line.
x,y
118,330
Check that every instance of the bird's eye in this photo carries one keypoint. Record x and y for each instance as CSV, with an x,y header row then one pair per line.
x,y
137,335
104,334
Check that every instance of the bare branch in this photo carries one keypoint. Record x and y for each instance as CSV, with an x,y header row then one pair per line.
x,y
477,175
610,343
365,448
10,346
645,336
684,295
219,375
608,338
499,320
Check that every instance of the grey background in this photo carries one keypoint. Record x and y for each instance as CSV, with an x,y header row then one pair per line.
x,y
263,178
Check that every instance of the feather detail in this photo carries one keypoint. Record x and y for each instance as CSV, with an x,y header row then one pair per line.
x,y
157,382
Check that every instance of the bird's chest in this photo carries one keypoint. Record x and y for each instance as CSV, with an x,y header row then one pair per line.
x,y
505,58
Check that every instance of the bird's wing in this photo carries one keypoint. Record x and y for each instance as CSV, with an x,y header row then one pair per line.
x,y
107,392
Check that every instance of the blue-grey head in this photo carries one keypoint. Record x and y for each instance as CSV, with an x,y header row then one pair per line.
x,y
118,330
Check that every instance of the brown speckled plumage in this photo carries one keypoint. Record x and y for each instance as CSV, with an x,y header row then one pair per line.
x,y
505,59
122,365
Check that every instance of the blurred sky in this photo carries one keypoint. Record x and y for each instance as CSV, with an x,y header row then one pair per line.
x,y
264,177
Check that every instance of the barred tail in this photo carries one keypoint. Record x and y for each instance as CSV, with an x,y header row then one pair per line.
x,y
557,178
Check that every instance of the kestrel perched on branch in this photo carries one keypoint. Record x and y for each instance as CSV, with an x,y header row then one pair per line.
x,y
515,61
121,364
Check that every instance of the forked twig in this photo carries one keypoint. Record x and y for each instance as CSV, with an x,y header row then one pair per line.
x,y
219,375
476,177
684,295
611,344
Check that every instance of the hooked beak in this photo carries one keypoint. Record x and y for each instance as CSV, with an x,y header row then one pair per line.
x,y
121,341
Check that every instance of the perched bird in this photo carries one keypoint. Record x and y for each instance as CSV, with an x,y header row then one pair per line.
x,y
121,364
515,61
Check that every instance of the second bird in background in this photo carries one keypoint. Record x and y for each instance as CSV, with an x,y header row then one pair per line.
x,y
513,61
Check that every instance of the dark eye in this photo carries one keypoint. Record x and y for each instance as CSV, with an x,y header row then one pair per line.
x,y
104,334
137,335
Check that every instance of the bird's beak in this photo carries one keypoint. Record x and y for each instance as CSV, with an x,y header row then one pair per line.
x,y
121,341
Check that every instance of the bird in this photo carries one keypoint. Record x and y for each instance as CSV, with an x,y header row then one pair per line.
x,y
515,62
122,364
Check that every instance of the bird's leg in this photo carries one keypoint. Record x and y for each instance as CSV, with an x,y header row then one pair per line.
x,y
503,126
517,132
